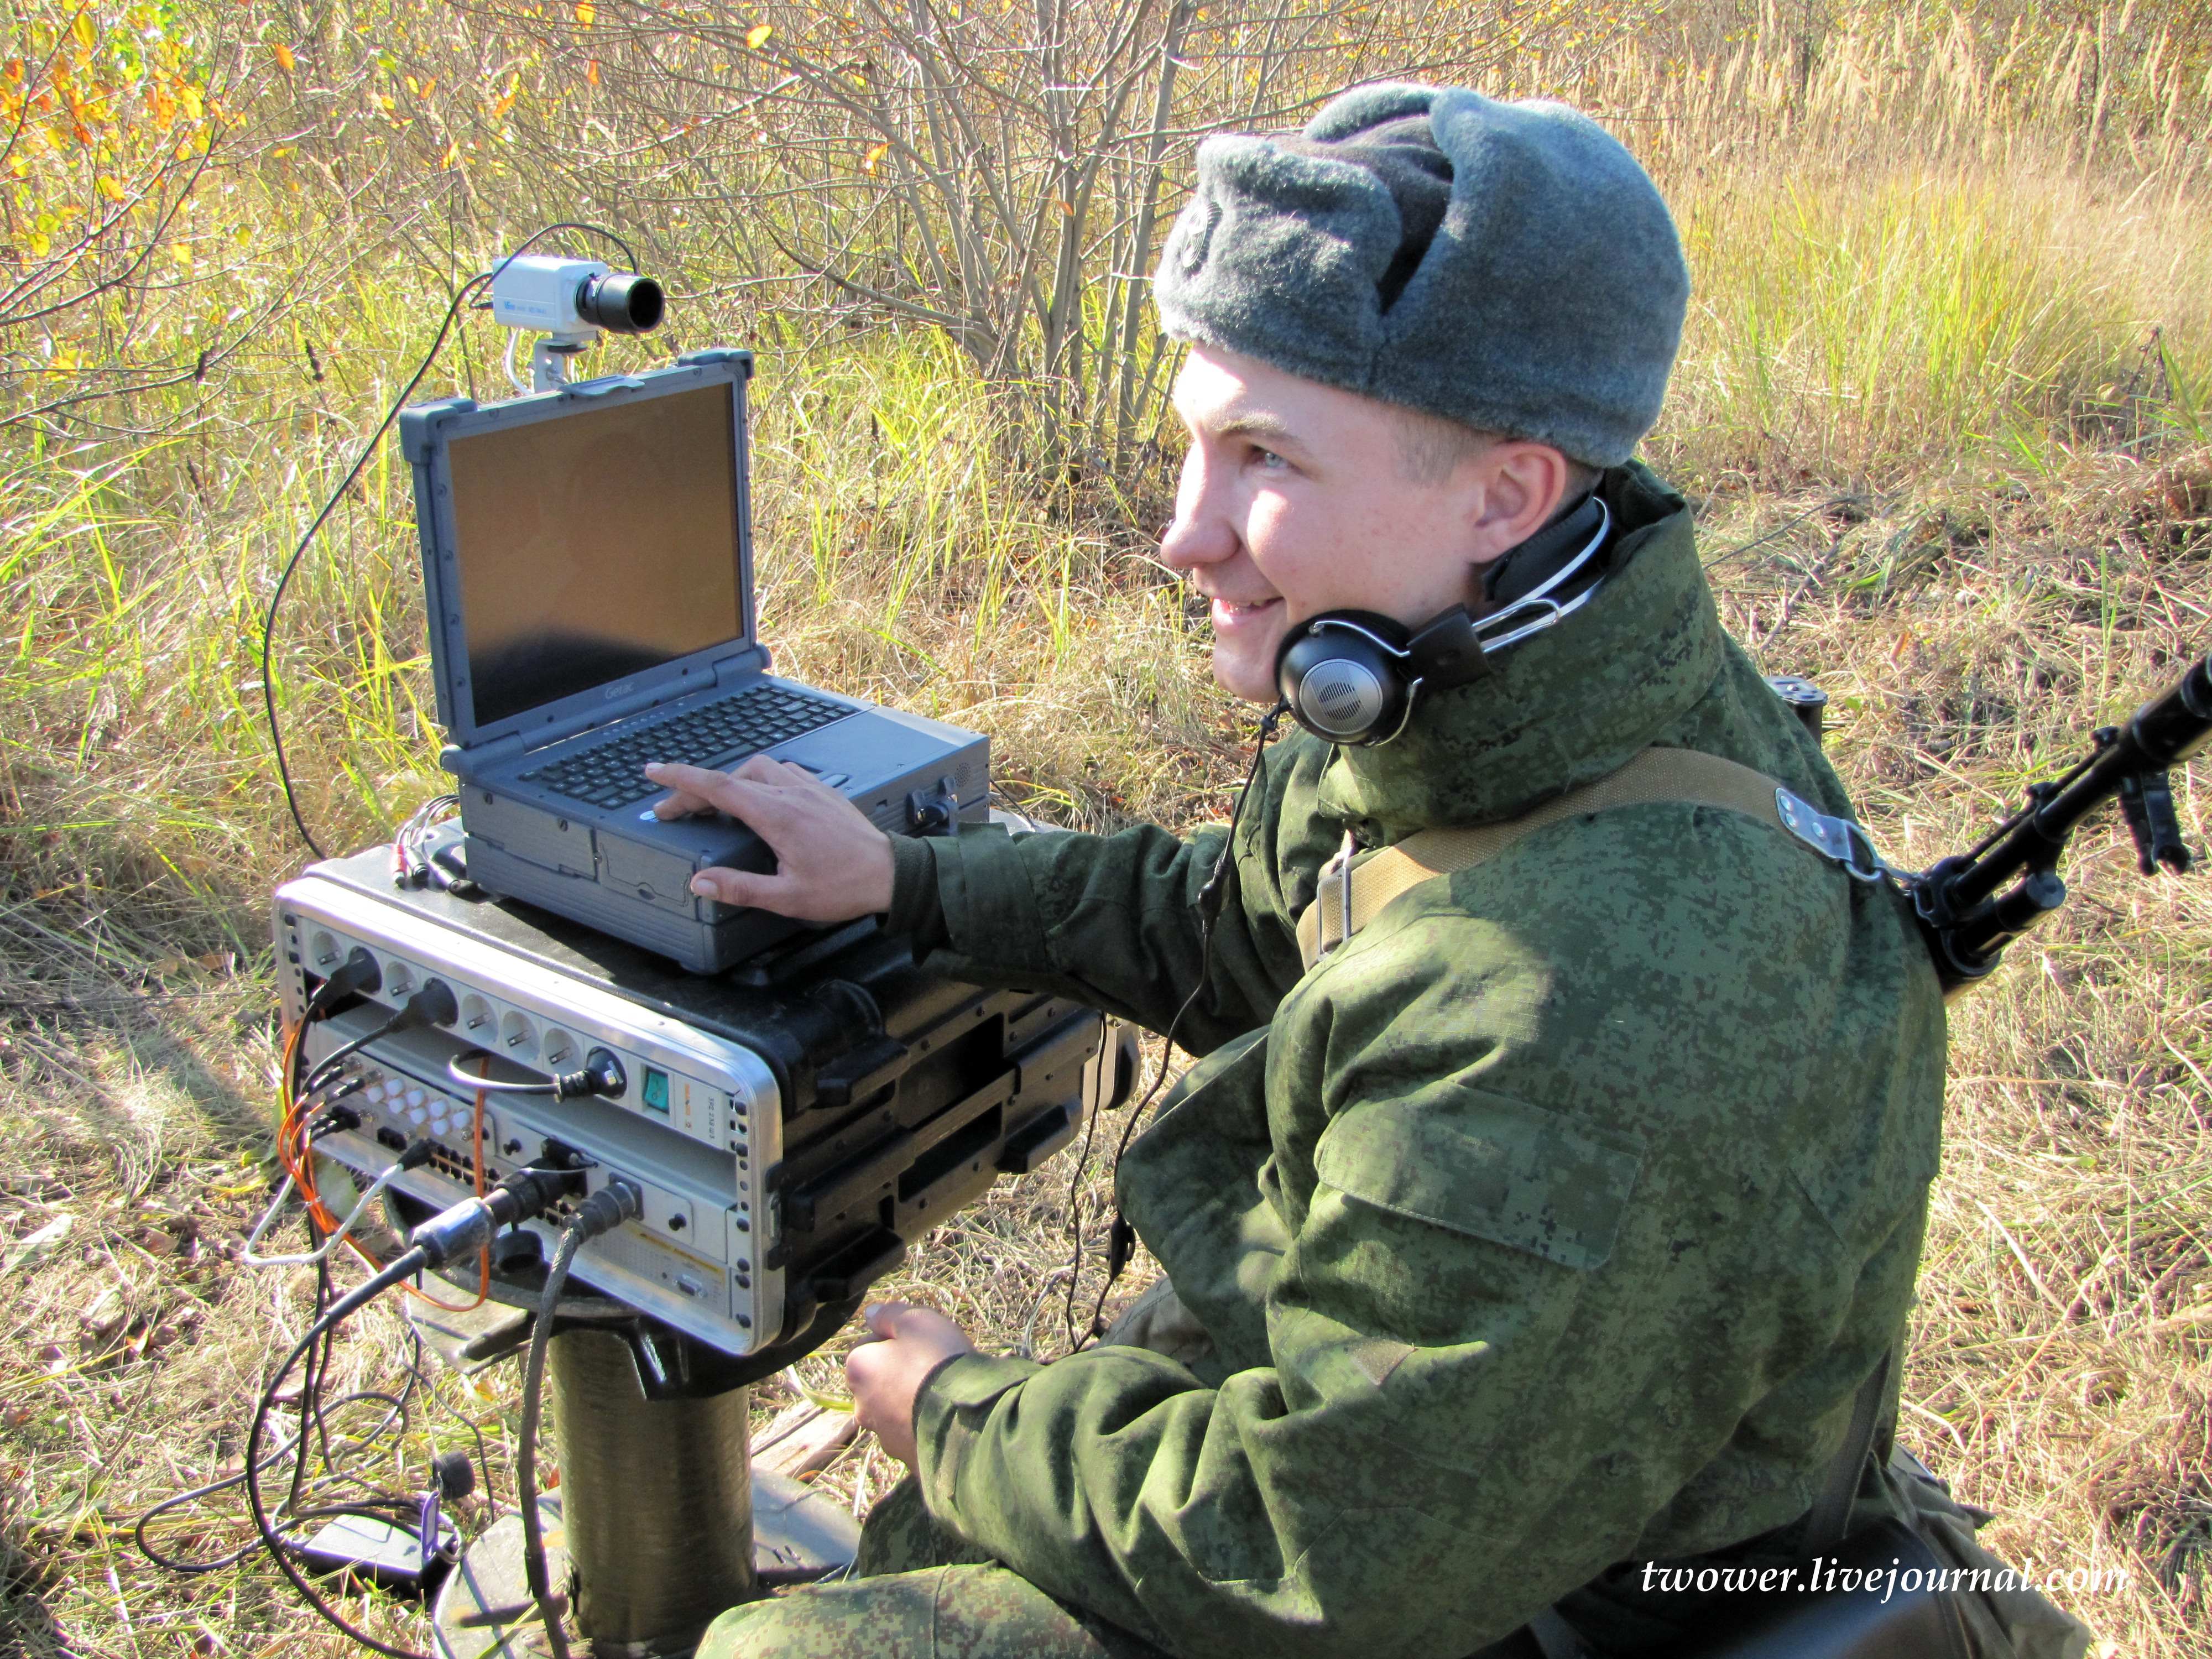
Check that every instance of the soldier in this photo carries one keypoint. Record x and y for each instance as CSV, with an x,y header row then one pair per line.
x,y
1547,1226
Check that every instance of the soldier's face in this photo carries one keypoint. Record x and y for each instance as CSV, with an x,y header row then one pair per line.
x,y
1295,499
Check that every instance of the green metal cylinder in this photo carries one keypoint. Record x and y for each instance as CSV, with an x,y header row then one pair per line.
x,y
657,1501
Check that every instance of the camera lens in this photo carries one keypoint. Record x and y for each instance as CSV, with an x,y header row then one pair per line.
x,y
621,302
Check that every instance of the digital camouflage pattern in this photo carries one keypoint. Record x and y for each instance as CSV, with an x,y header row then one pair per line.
x,y
1547,1227
918,1591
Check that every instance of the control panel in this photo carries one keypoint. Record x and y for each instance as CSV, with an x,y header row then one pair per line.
x,y
694,1123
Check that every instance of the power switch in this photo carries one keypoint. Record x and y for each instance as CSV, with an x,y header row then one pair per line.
x,y
654,1092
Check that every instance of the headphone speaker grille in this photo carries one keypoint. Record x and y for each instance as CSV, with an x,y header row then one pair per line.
x,y
1342,697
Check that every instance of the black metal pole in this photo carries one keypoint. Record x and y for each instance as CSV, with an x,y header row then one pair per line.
x,y
656,1499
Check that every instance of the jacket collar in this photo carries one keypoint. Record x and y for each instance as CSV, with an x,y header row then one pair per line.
x,y
1561,708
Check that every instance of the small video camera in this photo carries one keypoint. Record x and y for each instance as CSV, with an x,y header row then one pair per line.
x,y
574,299
571,302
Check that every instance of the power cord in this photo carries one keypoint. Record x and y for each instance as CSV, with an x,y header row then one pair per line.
x,y
606,1209
360,461
433,1005
1122,1238
602,1074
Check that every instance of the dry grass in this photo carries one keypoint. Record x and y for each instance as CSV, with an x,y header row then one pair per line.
x,y
1942,406
2059,1369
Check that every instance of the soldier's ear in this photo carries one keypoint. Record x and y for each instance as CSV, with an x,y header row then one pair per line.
x,y
1518,486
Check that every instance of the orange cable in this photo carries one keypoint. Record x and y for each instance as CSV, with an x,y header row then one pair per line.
x,y
299,1162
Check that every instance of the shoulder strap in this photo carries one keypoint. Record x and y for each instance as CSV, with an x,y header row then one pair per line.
x,y
1654,775
1830,1517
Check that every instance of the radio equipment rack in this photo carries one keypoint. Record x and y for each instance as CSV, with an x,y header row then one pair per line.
x,y
792,1125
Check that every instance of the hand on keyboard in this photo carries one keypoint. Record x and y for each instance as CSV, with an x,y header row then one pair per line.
x,y
832,865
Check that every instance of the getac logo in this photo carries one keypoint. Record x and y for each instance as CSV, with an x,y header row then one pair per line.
x,y
614,691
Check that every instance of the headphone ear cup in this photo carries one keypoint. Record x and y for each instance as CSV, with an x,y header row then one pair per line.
x,y
1339,681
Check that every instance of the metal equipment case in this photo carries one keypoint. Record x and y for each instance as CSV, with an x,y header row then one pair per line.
x,y
794,1124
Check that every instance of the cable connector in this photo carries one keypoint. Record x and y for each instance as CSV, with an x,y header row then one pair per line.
x,y
602,1075
521,1196
618,1201
433,1005
334,1120
357,974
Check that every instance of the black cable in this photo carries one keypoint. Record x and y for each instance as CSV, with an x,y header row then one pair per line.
x,y
437,1240
433,1005
605,1209
401,1268
314,1411
330,506
1211,898
525,1444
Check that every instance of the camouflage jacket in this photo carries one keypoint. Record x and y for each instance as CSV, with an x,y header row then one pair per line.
x,y
1548,1226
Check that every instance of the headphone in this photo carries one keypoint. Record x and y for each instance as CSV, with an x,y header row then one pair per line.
x,y
1353,676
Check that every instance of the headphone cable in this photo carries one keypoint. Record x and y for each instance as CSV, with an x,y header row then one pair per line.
x,y
1121,1239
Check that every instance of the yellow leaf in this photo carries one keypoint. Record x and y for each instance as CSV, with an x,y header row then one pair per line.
x,y
110,187
40,242
592,72
413,86
453,155
85,35
585,12
758,35
285,61
182,253
876,153
194,107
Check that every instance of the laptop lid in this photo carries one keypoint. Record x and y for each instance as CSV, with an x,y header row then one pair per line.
x,y
585,552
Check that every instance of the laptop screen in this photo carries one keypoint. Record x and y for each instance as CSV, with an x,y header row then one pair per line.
x,y
595,545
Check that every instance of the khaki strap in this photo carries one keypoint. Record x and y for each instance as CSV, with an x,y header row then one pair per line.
x,y
1655,775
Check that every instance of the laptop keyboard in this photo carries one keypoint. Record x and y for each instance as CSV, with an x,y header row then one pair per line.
x,y
720,733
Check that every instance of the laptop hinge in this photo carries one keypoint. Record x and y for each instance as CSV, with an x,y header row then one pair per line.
x,y
462,762
753,659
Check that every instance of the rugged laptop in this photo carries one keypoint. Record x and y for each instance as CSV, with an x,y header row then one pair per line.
x,y
587,554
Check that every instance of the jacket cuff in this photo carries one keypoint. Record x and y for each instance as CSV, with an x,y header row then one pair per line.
x,y
990,908
915,907
953,1400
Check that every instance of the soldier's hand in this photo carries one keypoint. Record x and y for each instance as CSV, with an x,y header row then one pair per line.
x,y
886,1373
832,865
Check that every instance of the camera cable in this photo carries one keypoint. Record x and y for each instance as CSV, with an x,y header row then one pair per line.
x,y
361,460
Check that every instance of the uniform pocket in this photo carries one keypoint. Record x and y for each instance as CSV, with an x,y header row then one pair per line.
x,y
1489,1166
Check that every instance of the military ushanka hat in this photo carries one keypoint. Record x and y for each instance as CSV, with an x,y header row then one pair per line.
x,y
1505,265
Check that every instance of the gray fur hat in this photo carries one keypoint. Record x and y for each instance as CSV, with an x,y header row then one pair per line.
x,y
1508,266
